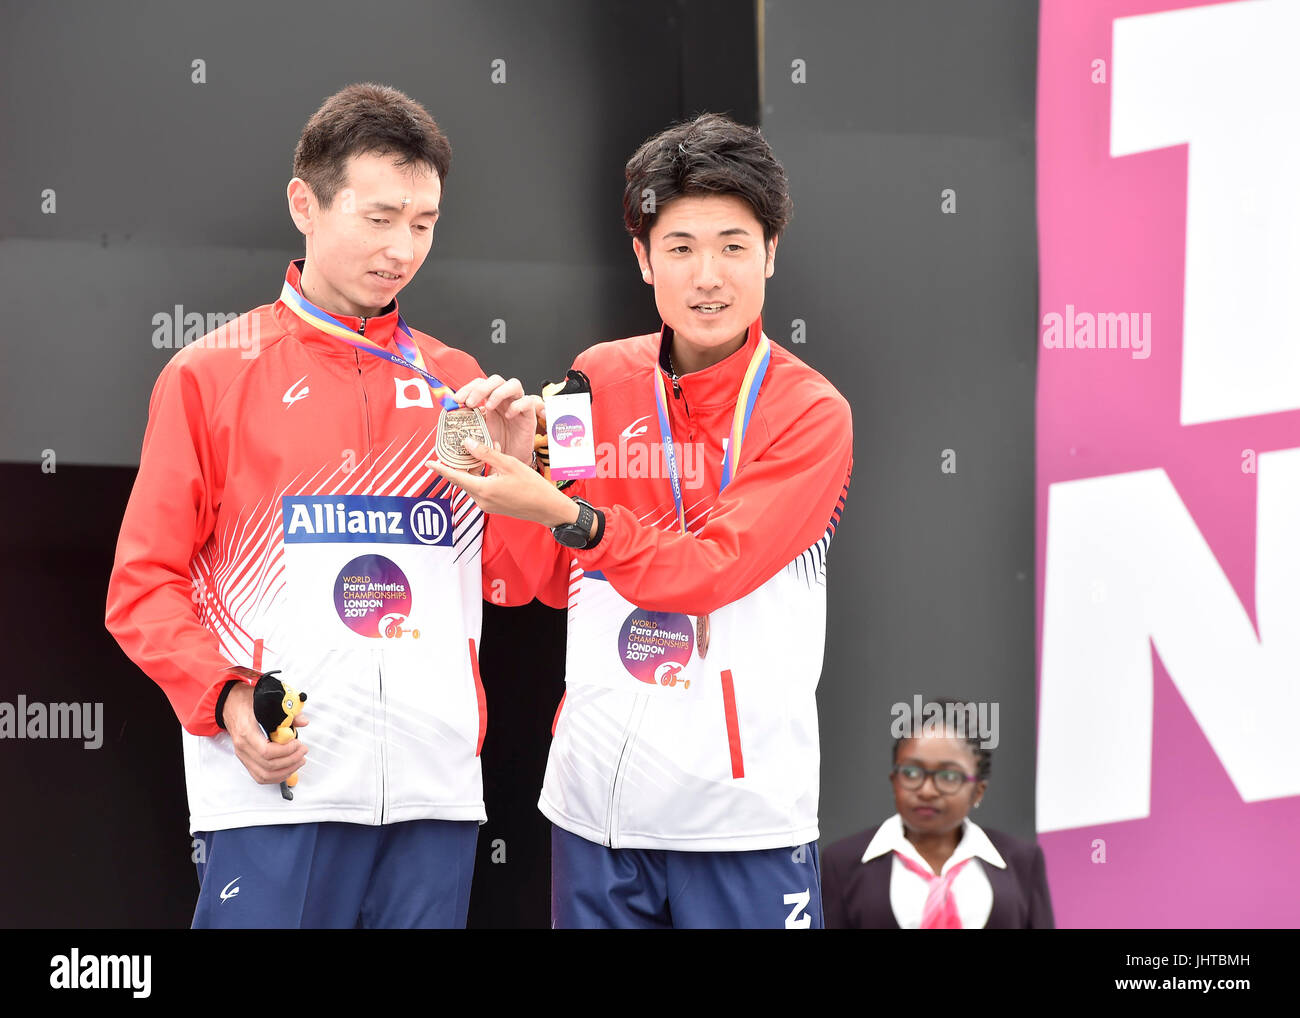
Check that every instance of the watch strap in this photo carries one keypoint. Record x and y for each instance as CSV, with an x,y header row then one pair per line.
x,y
600,530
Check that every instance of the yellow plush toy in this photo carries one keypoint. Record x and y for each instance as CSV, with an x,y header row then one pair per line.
x,y
275,705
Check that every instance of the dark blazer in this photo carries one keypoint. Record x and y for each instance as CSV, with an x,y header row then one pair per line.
x,y
855,895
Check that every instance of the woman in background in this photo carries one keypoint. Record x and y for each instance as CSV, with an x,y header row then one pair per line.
x,y
929,866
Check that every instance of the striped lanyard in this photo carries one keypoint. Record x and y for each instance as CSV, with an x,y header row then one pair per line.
x,y
410,356
745,401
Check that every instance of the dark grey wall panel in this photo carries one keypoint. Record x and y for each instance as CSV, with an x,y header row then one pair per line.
x,y
926,322
170,192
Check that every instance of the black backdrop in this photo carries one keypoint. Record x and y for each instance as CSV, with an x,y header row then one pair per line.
x,y
171,192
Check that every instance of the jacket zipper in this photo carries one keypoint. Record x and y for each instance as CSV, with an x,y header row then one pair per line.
x,y
383,709
613,785
365,400
677,394
624,754
639,707
383,750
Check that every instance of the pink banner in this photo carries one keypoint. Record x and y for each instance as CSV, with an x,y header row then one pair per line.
x,y
1168,463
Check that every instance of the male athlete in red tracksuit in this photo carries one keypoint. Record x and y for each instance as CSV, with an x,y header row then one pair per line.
x,y
264,484
682,781
284,518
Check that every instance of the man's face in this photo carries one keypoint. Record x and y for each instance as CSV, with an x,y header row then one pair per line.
x,y
708,264
367,231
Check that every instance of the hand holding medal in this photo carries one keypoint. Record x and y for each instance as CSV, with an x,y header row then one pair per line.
x,y
514,487
461,419
493,412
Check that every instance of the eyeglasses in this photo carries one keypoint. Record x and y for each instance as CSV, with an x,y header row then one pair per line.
x,y
947,780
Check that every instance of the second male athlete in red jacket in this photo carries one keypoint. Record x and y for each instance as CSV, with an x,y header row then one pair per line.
x,y
682,781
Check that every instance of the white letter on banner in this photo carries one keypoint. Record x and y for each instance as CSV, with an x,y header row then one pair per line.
x,y
1133,533
1224,80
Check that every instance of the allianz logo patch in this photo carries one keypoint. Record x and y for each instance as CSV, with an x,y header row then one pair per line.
x,y
366,519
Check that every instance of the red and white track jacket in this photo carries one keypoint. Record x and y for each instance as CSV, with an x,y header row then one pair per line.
x,y
283,517
653,746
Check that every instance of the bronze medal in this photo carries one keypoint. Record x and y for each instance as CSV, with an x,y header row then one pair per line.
x,y
454,427
702,635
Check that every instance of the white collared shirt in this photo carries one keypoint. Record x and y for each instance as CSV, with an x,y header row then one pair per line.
x,y
971,891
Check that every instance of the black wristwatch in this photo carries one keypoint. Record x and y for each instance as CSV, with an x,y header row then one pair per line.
x,y
578,535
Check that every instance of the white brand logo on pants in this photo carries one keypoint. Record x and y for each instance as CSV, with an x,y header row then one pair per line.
x,y
799,899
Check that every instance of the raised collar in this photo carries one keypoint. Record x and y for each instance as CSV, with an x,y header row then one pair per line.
x,y
718,384
379,328
974,843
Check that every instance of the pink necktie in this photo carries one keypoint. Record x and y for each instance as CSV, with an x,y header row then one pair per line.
x,y
940,912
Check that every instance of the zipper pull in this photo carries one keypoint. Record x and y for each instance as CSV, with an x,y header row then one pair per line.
x,y
362,330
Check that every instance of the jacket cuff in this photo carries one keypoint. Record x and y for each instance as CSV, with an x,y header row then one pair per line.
x,y
221,702
600,529
606,537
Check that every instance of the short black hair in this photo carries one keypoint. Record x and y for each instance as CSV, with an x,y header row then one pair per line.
x,y
711,154
362,118
983,755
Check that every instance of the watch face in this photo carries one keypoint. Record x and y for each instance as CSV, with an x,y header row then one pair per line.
x,y
578,533
571,535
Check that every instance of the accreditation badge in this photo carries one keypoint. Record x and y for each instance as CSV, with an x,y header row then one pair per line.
x,y
570,440
367,570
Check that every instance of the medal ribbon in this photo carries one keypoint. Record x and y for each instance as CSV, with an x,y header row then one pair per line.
x,y
745,402
410,356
